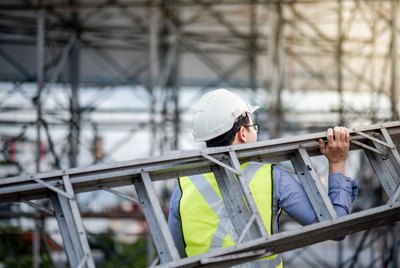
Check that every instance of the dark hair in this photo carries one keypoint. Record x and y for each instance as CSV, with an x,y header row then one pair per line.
x,y
228,137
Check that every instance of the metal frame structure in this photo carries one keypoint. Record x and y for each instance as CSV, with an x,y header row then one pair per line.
x,y
157,47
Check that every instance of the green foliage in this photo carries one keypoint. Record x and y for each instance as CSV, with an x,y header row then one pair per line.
x,y
120,254
15,252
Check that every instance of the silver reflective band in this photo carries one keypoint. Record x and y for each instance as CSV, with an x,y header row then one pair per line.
x,y
225,225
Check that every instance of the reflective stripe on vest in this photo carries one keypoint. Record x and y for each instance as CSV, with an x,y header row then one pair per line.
x,y
206,224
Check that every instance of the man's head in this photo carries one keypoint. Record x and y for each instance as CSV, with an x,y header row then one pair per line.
x,y
221,118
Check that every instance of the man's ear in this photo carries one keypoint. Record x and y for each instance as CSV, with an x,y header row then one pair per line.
x,y
241,135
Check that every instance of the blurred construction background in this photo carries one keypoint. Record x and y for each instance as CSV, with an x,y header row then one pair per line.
x,y
91,81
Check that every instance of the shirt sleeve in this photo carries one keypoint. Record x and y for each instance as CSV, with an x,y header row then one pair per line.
x,y
342,192
291,197
174,223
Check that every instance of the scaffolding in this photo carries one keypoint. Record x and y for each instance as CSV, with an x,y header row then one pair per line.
x,y
53,51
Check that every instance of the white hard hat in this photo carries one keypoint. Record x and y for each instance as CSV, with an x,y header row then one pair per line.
x,y
216,112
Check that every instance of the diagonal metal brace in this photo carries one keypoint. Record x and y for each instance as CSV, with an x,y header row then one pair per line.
x,y
83,261
247,227
374,139
394,196
216,161
55,189
120,194
38,207
365,146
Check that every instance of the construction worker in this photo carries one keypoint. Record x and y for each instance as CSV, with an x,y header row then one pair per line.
x,y
197,216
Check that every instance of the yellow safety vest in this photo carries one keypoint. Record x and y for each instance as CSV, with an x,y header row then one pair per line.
x,y
206,224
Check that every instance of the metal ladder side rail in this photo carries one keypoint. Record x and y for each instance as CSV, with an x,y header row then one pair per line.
x,y
271,147
312,185
71,227
294,239
163,241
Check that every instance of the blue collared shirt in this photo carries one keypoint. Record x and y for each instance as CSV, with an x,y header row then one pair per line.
x,y
289,195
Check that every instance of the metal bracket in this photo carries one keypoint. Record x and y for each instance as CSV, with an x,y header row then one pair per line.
x,y
120,194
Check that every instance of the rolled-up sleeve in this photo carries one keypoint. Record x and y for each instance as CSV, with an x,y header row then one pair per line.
x,y
342,192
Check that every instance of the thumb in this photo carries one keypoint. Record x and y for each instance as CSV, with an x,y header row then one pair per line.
x,y
322,146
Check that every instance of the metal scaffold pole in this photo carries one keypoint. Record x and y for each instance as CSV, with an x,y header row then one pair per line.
x,y
394,60
37,232
74,72
276,77
340,39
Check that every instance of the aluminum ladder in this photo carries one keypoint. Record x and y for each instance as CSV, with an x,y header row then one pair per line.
x,y
377,141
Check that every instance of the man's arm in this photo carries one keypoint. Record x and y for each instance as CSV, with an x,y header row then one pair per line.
x,y
174,223
292,198
342,190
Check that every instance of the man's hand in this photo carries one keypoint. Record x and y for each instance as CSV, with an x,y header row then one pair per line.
x,y
336,149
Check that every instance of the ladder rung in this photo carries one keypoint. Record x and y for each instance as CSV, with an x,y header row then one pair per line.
x,y
248,196
234,203
394,154
312,185
71,227
76,217
155,218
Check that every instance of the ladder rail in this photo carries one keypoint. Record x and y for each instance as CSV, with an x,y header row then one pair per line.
x,y
304,236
